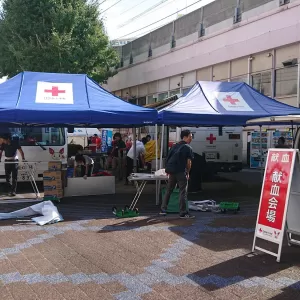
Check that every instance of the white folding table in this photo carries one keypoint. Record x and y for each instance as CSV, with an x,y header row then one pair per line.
x,y
141,180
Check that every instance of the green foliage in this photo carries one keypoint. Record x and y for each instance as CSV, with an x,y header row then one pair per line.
x,y
64,36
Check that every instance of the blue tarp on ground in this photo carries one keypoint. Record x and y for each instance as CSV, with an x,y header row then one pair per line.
x,y
222,103
58,99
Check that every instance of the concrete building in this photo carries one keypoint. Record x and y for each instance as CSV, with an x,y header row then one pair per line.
x,y
256,41
121,42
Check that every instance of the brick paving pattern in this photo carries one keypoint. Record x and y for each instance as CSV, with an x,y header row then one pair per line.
x,y
95,256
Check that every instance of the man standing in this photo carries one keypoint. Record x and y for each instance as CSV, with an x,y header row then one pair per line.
x,y
178,166
11,165
140,156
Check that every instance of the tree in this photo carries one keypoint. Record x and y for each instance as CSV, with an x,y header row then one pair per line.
x,y
64,36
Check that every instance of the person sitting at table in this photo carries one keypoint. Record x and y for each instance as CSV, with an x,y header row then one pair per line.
x,y
140,157
98,142
150,154
118,156
86,165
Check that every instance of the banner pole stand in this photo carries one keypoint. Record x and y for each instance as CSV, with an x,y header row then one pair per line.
x,y
261,154
279,206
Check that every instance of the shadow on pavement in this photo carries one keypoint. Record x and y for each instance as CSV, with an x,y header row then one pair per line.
x,y
289,293
245,267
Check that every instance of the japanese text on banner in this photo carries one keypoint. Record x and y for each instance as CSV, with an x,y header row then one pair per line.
x,y
274,194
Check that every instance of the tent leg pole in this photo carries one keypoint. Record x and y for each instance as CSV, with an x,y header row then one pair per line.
x,y
160,161
298,84
134,150
156,164
261,154
156,147
161,145
293,134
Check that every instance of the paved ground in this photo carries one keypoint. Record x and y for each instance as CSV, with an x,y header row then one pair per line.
x,y
94,256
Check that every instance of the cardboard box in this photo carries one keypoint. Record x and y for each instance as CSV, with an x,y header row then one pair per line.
x,y
52,185
53,196
54,193
52,176
54,166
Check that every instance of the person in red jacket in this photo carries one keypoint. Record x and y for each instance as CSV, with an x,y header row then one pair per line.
x,y
94,139
98,142
128,144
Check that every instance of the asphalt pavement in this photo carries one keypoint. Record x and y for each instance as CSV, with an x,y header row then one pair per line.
x,y
93,255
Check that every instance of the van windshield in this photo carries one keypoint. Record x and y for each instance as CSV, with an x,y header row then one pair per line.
x,y
35,136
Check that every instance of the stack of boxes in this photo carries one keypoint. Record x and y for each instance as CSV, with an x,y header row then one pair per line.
x,y
53,183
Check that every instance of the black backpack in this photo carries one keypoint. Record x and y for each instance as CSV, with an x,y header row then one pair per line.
x,y
173,160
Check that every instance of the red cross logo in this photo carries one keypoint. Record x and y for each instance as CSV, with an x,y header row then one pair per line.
x,y
55,91
230,100
211,138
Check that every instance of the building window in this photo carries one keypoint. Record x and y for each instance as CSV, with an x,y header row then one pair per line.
x,y
174,92
243,78
286,81
283,2
222,80
141,101
162,96
186,90
132,100
151,99
262,82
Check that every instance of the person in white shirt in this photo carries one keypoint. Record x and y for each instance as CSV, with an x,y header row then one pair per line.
x,y
140,156
86,163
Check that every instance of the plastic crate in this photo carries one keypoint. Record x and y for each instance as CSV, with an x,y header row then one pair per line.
x,y
229,206
51,198
126,212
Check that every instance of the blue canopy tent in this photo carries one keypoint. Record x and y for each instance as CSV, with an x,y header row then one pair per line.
x,y
222,104
39,99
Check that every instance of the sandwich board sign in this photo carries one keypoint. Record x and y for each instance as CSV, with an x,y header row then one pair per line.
x,y
279,206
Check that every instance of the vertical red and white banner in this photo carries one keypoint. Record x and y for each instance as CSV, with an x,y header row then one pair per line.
x,y
270,224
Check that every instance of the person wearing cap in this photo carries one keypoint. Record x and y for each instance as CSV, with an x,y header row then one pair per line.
x,y
10,148
86,165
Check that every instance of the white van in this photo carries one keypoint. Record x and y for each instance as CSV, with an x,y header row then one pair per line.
x,y
221,147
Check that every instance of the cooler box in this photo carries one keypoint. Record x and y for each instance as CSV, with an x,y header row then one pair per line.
x,y
173,206
70,172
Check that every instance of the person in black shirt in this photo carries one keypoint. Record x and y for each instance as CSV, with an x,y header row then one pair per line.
x,y
178,166
118,150
10,148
